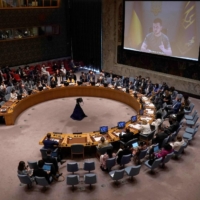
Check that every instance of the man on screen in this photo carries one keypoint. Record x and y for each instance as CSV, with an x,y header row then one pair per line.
x,y
157,42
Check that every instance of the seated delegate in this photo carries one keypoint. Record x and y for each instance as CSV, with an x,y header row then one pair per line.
x,y
103,142
105,157
51,144
127,136
50,159
24,170
41,173
178,143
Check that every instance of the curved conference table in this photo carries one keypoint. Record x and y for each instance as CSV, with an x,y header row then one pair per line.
x,y
65,139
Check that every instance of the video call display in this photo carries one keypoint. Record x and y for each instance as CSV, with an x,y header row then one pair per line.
x,y
169,28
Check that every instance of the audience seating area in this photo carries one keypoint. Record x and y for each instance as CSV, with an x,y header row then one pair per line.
x,y
190,119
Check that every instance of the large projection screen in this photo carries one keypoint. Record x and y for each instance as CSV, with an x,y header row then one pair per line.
x,y
168,28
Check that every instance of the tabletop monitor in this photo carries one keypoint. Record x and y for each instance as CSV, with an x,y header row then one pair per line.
x,y
103,129
121,125
19,97
127,90
141,112
134,119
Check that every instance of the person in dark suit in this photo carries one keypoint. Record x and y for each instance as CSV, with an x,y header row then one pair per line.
x,y
100,80
91,77
126,82
50,159
175,107
131,86
73,76
174,124
160,136
149,88
128,136
41,173
127,150
51,144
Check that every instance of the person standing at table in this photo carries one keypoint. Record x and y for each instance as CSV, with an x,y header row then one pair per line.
x,y
51,144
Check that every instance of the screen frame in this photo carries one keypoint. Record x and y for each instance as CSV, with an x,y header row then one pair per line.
x,y
101,128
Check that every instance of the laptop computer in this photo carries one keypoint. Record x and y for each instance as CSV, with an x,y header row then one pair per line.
x,y
156,148
46,167
135,145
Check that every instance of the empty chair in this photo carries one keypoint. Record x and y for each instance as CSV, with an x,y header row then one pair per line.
x,y
110,162
189,136
89,166
109,79
142,155
155,164
191,130
125,159
167,158
133,170
42,181
77,149
192,122
72,180
191,106
190,117
25,179
32,164
117,174
72,167
90,179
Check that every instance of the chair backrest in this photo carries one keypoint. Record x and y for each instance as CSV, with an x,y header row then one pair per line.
x,y
89,165
77,148
125,159
165,141
173,135
135,170
150,136
179,128
110,163
103,150
191,107
25,179
196,118
193,114
32,164
43,153
167,157
156,163
72,167
142,154
72,179
118,174
41,181
130,142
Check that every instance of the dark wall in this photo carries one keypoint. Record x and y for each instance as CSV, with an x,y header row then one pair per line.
x,y
32,50
86,31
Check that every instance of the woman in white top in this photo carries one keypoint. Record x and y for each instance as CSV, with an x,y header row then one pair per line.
x,y
13,95
156,123
44,71
178,143
145,128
